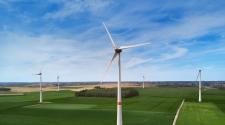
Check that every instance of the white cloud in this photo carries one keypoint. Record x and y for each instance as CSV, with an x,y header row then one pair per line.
x,y
191,23
178,52
70,8
26,54
137,61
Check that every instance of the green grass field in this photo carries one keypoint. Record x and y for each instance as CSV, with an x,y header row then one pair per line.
x,y
154,106
210,112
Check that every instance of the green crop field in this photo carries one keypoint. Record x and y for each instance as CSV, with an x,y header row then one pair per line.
x,y
153,106
210,112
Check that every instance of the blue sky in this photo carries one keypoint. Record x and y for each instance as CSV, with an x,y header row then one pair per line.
x,y
66,38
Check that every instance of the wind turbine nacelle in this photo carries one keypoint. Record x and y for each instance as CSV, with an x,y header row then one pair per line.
x,y
118,50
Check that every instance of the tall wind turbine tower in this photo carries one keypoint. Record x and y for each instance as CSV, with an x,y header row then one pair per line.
x,y
117,53
58,82
143,84
199,85
41,99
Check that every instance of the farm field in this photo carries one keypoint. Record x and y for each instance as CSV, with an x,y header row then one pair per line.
x,y
210,112
154,106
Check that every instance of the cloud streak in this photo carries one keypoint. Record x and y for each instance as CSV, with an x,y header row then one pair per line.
x,y
178,53
70,8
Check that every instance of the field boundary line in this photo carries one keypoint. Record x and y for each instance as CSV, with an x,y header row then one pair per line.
x,y
178,112
11,94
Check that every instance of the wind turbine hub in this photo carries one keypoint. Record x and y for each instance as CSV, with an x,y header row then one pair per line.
x,y
118,50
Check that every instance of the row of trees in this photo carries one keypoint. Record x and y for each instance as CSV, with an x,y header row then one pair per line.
x,y
5,89
103,92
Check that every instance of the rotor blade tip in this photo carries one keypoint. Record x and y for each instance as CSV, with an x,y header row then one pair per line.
x,y
103,23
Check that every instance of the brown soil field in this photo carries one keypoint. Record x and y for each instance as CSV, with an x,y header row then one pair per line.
x,y
35,88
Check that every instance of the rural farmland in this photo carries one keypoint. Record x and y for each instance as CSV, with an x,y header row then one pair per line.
x,y
154,106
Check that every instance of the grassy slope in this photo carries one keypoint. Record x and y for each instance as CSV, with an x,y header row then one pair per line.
x,y
210,112
155,106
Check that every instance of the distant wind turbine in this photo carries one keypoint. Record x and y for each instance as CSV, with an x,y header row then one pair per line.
x,y
143,84
117,53
40,74
58,82
199,85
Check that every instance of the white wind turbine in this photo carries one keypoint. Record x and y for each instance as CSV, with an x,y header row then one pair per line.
x,y
117,53
40,74
143,84
199,85
58,82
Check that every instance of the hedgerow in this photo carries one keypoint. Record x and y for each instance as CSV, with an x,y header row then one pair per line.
x,y
105,92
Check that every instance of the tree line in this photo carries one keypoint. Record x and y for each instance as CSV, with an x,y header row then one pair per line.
x,y
105,92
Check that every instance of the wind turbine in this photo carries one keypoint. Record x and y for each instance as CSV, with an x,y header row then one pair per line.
x,y
117,53
143,84
199,85
40,74
58,82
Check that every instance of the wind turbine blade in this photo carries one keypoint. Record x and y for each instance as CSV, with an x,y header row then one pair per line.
x,y
109,66
132,46
109,35
197,76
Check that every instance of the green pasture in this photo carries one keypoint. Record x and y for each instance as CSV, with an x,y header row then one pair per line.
x,y
153,106
210,112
